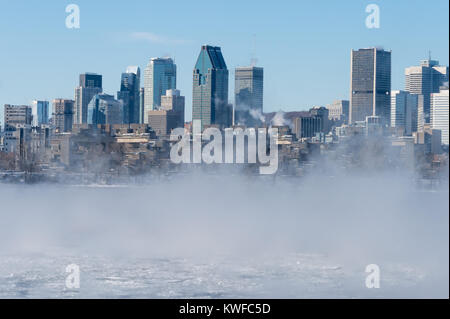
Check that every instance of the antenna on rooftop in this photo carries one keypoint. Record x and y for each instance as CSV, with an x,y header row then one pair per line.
x,y
253,59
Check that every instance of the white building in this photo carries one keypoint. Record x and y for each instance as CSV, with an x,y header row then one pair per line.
x,y
439,113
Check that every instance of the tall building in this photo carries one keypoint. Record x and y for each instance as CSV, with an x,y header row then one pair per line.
x,y
90,85
248,90
404,111
322,113
63,114
40,112
141,105
104,109
210,88
175,102
15,115
160,75
339,110
424,80
370,84
129,94
439,113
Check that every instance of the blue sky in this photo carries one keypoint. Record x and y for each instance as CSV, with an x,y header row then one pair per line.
x,y
304,46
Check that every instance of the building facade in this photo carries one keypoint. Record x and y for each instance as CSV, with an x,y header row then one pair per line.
x,y
248,90
63,115
404,108
160,75
129,94
173,101
439,113
90,85
210,89
40,112
104,109
370,85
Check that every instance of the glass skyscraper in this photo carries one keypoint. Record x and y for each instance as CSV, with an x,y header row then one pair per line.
x,y
210,88
90,85
104,109
160,75
129,94
248,90
40,112
370,85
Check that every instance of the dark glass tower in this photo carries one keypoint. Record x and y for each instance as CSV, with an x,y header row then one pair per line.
x,y
210,89
370,85
129,94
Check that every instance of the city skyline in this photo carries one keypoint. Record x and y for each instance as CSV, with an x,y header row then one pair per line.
x,y
249,44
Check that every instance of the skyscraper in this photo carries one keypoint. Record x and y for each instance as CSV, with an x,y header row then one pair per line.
x,y
248,90
90,85
160,75
404,111
424,80
63,114
439,113
40,112
210,88
370,84
129,94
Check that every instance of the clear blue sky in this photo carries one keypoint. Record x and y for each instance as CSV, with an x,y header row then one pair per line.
x,y
304,46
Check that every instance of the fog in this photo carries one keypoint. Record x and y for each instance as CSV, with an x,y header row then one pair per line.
x,y
321,227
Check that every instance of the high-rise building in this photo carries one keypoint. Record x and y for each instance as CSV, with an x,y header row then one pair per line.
x,y
248,90
175,102
370,85
141,105
424,80
129,94
15,115
40,112
439,113
160,75
210,89
404,111
339,110
63,114
104,109
90,85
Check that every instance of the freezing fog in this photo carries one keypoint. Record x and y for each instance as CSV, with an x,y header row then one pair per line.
x,y
226,236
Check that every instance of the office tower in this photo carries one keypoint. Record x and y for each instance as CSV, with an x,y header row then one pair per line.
x,y
439,113
63,115
163,121
104,109
90,85
404,111
322,113
15,115
248,90
370,85
175,102
210,88
160,75
424,80
129,94
339,110
39,112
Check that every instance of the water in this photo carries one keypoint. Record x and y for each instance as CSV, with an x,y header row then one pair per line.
x,y
223,239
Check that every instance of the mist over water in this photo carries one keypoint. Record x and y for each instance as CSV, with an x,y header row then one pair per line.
x,y
226,236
